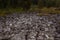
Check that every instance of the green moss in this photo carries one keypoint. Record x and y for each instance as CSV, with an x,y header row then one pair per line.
x,y
4,12
43,11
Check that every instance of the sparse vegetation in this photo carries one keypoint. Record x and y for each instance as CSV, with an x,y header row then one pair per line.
x,y
43,6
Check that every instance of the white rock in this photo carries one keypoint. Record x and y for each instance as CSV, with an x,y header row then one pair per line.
x,y
46,29
47,36
10,24
48,24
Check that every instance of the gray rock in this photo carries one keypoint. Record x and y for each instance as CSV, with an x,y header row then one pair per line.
x,y
28,27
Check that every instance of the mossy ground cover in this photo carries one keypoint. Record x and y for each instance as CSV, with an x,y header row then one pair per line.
x,y
43,11
7,11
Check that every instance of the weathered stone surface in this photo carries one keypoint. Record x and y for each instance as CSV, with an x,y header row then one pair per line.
x,y
28,27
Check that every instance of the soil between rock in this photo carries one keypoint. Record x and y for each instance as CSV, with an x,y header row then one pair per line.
x,y
30,26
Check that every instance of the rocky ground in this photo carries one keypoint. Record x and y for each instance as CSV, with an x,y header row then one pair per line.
x,y
30,26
